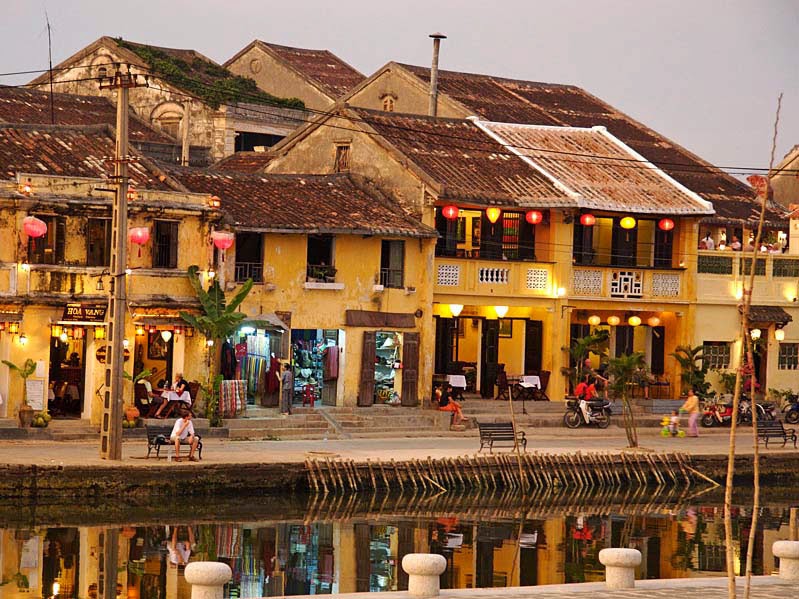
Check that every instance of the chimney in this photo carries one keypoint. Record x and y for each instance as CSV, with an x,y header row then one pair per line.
x,y
433,110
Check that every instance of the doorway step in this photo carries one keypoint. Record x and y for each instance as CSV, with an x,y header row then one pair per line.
x,y
269,424
381,421
73,430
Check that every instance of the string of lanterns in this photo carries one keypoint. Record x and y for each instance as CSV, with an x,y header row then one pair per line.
x,y
451,212
614,321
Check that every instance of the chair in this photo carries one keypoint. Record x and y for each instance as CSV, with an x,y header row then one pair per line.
x,y
502,385
308,395
541,394
143,400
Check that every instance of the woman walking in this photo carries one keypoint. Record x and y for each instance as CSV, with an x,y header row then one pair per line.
x,y
691,406
287,393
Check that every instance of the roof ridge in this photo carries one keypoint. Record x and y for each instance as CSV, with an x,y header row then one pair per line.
x,y
488,76
50,127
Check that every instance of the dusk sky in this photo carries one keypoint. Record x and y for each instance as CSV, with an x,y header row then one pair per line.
x,y
705,73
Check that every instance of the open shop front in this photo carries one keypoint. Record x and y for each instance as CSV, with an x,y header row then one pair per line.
x,y
315,358
255,357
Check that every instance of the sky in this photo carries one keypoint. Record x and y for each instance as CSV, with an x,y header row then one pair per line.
x,y
705,73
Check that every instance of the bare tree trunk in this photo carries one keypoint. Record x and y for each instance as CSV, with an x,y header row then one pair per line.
x,y
762,190
750,549
522,480
629,422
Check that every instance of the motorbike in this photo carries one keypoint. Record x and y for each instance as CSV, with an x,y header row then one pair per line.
x,y
791,410
580,412
717,413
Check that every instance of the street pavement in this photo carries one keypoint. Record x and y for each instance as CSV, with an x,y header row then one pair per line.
x,y
224,451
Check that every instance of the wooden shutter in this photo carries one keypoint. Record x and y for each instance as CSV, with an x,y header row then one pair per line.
x,y
658,350
444,344
410,369
490,357
624,245
60,239
490,238
664,244
526,239
624,340
533,345
366,392
173,245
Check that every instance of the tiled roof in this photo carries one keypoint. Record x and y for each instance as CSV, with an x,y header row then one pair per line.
x,y
243,162
302,203
465,161
527,102
65,152
602,170
334,76
768,314
30,106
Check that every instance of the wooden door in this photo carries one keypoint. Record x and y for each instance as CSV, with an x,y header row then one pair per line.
x,y
533,345
490,238
624,245
489,356
444,343
366,392
624,340
658,350
410,369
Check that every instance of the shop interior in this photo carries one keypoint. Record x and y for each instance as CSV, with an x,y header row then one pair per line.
x,y
257,355
315,358
388,360
154,352
68,369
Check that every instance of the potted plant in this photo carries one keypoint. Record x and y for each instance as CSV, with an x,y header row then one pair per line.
x,y
27,369
131,411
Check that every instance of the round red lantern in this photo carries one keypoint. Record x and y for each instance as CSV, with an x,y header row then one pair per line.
x,y
223,240
534,217
139,236
450,212
588,220
34,227
665,224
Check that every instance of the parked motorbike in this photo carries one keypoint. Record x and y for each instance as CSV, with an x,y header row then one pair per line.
x,y
791,410
580,412
717,413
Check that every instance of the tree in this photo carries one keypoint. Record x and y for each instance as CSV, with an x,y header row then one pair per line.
x,y
24,371
219,320
594,343
693,369
623,372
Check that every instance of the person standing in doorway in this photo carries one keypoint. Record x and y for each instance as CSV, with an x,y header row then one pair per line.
x,y
691,406
287,393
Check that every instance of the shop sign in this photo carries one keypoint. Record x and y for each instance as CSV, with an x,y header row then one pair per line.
x,y
102,353
84,313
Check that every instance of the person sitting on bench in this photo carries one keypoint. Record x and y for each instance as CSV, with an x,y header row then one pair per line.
x,y
183,434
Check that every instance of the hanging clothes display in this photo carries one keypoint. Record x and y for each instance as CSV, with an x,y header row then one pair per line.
x,y
232,398
271,396
228,361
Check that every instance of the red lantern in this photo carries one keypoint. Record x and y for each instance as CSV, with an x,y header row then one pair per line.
x,y
665,224
223,240
588,220
34,227
139,236
450,212
493,214
534,217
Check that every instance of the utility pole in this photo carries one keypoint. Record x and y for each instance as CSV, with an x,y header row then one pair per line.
x,y
50,55
111,426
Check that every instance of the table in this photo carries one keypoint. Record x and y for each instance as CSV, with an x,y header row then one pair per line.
x,y
523,387
458,382
530,381
184,397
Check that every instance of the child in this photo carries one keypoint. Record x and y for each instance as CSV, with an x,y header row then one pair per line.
x,y
674,423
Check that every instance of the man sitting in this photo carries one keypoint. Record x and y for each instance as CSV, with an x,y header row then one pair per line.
x,y
183,434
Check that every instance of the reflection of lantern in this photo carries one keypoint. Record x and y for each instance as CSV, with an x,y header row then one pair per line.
x,y
223,240
533,217
614,321
628,222
665,224
588,220
139,236
634,321
450,212
653,321
34,227
493,214
594,320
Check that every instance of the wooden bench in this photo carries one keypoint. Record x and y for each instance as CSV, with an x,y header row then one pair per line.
x,y
158,437
500,432
773,429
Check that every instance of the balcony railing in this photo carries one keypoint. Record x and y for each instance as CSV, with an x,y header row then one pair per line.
x,y
778,266
721,276
625,283
249,270
491,277
392,278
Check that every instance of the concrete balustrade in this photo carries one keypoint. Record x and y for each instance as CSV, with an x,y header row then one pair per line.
x,y
424,570
207,579
620,565
788,552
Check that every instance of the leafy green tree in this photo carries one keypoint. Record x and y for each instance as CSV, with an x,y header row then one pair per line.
x,y
623,372
595,343
693,369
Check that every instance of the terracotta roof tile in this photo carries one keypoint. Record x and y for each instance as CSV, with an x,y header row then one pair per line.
x,y
465,161
65,152
30,106
760,314
302,203
243,162
527,102
601,169
327,70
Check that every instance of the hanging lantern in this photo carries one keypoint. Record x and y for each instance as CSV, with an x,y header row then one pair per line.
x,y
13,328
189,332
55,330
501,311
178,330
64,337
634,321
152,329
215,202
594,320
26,187
139,330
628,222
455,309
614,321
23,339
653,321
139,236
223,240
99,332
588,220
77,333
665,224
450,212
34,227
755,333
493,214
132,194
533,217
779,335
166,336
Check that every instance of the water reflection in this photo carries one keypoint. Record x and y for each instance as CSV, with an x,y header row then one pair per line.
x,y
346,544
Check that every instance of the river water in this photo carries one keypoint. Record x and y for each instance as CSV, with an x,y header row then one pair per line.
x,y
320,545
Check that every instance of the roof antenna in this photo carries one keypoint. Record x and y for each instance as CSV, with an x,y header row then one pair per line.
x,y
437,37
50,55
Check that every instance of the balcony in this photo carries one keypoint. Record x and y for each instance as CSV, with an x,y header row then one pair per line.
x,y
721,275
493,277
626,283
321,276
249,270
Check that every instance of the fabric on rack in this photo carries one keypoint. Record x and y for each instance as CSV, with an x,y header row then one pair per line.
x,y
241,354
228,361
232,398
272,384
254,369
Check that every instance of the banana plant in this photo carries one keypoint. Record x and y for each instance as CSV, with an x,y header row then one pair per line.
x,y
24,372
